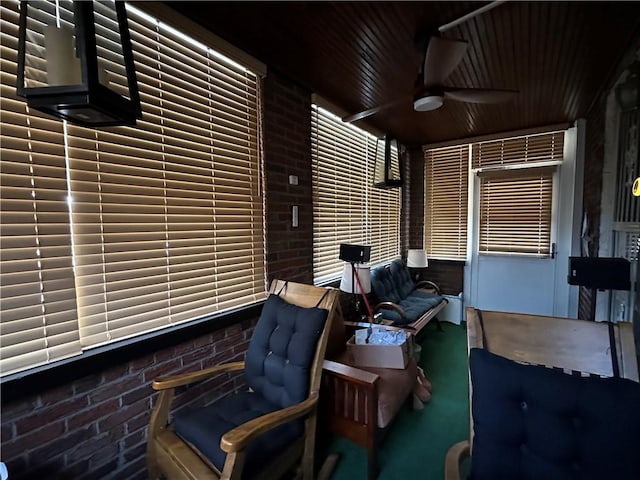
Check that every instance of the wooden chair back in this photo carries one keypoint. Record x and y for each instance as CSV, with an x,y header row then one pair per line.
x,y
572,345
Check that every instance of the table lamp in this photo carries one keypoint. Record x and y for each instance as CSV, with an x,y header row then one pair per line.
x,y
417,259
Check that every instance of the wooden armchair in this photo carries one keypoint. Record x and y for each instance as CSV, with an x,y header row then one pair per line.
x,y
529,417
360,403
264,431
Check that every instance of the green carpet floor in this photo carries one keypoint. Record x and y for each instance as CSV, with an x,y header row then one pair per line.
x,y
417,442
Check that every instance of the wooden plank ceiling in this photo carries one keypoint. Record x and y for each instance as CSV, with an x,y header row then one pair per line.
x,y
560,56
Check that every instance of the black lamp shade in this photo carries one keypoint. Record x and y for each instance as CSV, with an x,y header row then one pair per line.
x,y
387,170
75,62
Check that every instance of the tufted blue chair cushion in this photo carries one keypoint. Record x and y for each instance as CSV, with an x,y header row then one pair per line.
x,y
277,368
281,351
532,422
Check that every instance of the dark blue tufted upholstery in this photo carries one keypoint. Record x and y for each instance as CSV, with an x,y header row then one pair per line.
x,y
394,285
532,422
383,286
401,278
277,370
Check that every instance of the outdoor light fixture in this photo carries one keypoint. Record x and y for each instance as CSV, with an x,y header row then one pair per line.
x,y
75,62
387,170
628,92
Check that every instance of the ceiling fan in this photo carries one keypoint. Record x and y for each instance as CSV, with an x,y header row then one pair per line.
x,y
441,58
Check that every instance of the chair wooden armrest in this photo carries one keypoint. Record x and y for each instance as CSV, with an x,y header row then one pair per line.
x,y
455,455
349,373
238,438
188,378
369,324
391,306
167,385
428,284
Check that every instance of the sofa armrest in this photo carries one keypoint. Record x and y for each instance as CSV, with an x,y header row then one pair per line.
x,y
428,285
390,306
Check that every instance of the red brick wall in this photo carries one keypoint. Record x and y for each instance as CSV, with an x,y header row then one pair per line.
x,y
95,427
287,142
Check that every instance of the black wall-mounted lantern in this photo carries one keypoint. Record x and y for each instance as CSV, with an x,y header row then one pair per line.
x,y
387,170
628,92
75,62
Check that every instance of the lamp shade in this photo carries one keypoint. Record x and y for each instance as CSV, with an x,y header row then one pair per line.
x,y
349,283
417,259
75,62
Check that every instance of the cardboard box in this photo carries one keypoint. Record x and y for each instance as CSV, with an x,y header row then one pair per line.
x,y
381,356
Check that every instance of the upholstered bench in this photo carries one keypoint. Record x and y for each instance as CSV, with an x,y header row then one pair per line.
x,y
402,302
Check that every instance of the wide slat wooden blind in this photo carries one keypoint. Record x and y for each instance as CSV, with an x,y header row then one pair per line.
x,y
516,203
347,208
446,183
528,149
166,217
37,295
515,212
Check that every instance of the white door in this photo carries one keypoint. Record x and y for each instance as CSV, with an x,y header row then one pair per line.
x,y
526,284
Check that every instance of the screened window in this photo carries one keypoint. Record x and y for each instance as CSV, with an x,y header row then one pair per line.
x,y
347,207
128,230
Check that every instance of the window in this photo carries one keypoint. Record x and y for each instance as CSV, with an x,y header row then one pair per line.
x,y
347,208
516,192
515,212
111,233
446,177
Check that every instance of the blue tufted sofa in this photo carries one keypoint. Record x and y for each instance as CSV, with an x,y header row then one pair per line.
x,y
403,302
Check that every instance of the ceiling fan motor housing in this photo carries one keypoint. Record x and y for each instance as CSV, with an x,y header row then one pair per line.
x,y
427,103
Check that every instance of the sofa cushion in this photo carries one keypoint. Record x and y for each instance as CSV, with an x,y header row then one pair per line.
x,y
383,285
413,307
533,422
401,278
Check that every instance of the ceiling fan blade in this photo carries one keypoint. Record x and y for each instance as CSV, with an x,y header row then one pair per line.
x,y
372,111
479,95
442,57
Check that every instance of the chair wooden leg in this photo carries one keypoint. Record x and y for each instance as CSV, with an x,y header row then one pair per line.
x,y
372,461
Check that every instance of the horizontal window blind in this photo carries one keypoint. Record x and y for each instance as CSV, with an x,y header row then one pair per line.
x,y
166,219
167,216
37,295
347,208
518,150
516,203
515,211
446,183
